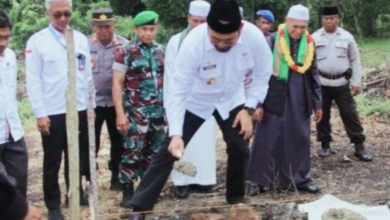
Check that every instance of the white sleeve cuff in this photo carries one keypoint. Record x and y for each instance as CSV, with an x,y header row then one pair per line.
x,y
120,67
175,130
251,103
39,113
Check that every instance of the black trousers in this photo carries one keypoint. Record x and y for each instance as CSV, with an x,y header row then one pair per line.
x,y
108,115
13,162
347,108
53,146
158,171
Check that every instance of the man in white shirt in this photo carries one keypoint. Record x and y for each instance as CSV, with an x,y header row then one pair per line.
x,y
210,71
13,153
46,81
200,150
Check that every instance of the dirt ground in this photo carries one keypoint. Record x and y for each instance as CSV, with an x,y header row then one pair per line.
x,y
341,175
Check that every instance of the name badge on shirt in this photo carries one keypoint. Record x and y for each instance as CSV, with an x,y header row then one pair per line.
x,y
81,58
210,67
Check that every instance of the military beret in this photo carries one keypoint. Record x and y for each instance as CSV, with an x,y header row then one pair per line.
x,y
145,18
330,10
266,14
224,16
102,16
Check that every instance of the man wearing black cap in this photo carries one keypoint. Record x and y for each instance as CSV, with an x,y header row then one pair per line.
x,y
211,67
337,53
104,44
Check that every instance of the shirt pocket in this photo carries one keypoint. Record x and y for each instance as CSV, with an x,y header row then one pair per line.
x,y
341,49
321,50
51,63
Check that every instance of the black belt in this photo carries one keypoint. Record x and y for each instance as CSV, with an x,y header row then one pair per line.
x,y
332,76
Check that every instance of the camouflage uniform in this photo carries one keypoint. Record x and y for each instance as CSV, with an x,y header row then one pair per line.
x,y
143,102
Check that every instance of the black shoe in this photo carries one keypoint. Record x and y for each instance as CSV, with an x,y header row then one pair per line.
x,y
201,188
309,188
326,151
127,195
253,190
136,217
181,192
55,214
361,154
235,200
115,185
83,199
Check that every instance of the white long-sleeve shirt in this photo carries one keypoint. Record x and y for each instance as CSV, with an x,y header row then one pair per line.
x,y
206,80
47,71
169,65
10,124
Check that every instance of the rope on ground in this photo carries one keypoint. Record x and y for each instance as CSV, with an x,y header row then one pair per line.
x,y
304,198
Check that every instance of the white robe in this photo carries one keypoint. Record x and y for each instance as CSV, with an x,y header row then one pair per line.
x,y
201,149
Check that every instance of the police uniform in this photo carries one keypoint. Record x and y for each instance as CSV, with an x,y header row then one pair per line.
x,y
143,66
46,83
13,152
211,83
336,53
103,56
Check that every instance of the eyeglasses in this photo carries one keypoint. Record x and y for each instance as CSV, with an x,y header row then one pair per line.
x,y
59,14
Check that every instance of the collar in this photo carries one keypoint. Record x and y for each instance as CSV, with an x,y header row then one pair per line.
x,y
139,43
114,42
338,31
55,31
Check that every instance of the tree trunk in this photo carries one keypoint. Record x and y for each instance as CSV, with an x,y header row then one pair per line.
x,y
72,129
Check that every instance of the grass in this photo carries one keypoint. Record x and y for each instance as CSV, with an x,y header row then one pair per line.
x,y
368,106
374,52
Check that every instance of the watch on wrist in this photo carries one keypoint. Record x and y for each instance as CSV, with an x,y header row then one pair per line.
x,y
250,110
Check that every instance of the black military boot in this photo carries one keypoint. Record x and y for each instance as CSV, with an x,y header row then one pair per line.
x,y
361,153
326,151
181,192
115,185
128,190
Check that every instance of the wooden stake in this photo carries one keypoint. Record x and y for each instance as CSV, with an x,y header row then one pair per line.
x,y
93,189
72,129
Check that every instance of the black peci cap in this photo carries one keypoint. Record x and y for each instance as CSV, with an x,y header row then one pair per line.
x,y
224,16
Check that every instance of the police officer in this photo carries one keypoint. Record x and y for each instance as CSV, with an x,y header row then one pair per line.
x,y
46,82
104,44
138,99
337,52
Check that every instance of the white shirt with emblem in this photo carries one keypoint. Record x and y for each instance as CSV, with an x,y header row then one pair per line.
x,y
47,71
206,80
10,124
335,53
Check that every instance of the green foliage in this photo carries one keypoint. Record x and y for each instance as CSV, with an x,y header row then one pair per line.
x,y
25,111
374,52
371,106
127,7
383,25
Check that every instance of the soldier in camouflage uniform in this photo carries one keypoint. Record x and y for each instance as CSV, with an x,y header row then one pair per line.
x,y
138,99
